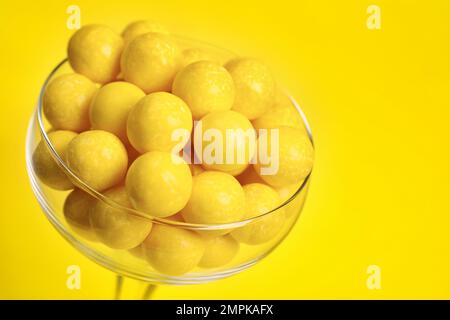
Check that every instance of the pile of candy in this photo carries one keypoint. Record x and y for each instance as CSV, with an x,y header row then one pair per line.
x,y
121,122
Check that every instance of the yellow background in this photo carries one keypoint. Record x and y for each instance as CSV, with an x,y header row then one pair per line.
x,y
378,102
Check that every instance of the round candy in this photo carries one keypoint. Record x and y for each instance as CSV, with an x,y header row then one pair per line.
x,y
66,102
98,158
228,141
137,28
289,159
282,113
159,183
94,51
205,86
255,86
111,105
76,211
115,227
279,115
151,61
219,251
173,251
45,166
217,197
159,122
260,199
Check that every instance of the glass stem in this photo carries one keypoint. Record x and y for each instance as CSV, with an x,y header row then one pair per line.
x,y
119,284
149,290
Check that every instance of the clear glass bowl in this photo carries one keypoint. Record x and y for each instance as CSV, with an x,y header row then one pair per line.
x,y
130,263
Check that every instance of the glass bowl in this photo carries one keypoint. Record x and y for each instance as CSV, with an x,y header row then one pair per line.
x,y
132,263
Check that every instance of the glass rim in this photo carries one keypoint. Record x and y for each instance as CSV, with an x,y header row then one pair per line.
x,y
79,183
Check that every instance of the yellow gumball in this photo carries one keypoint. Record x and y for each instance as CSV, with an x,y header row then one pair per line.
x,y
282,113
219,251
98,158
173,251
76,211
278,116
159,122
206,87
115,227
94,51
288,159
192,55
66,102
159,183
260,199
225,141
137,28
217,197
46,167
111,105
255,86
151,61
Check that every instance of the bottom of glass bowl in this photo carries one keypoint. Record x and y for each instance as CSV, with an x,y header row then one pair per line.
x,y
190,278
